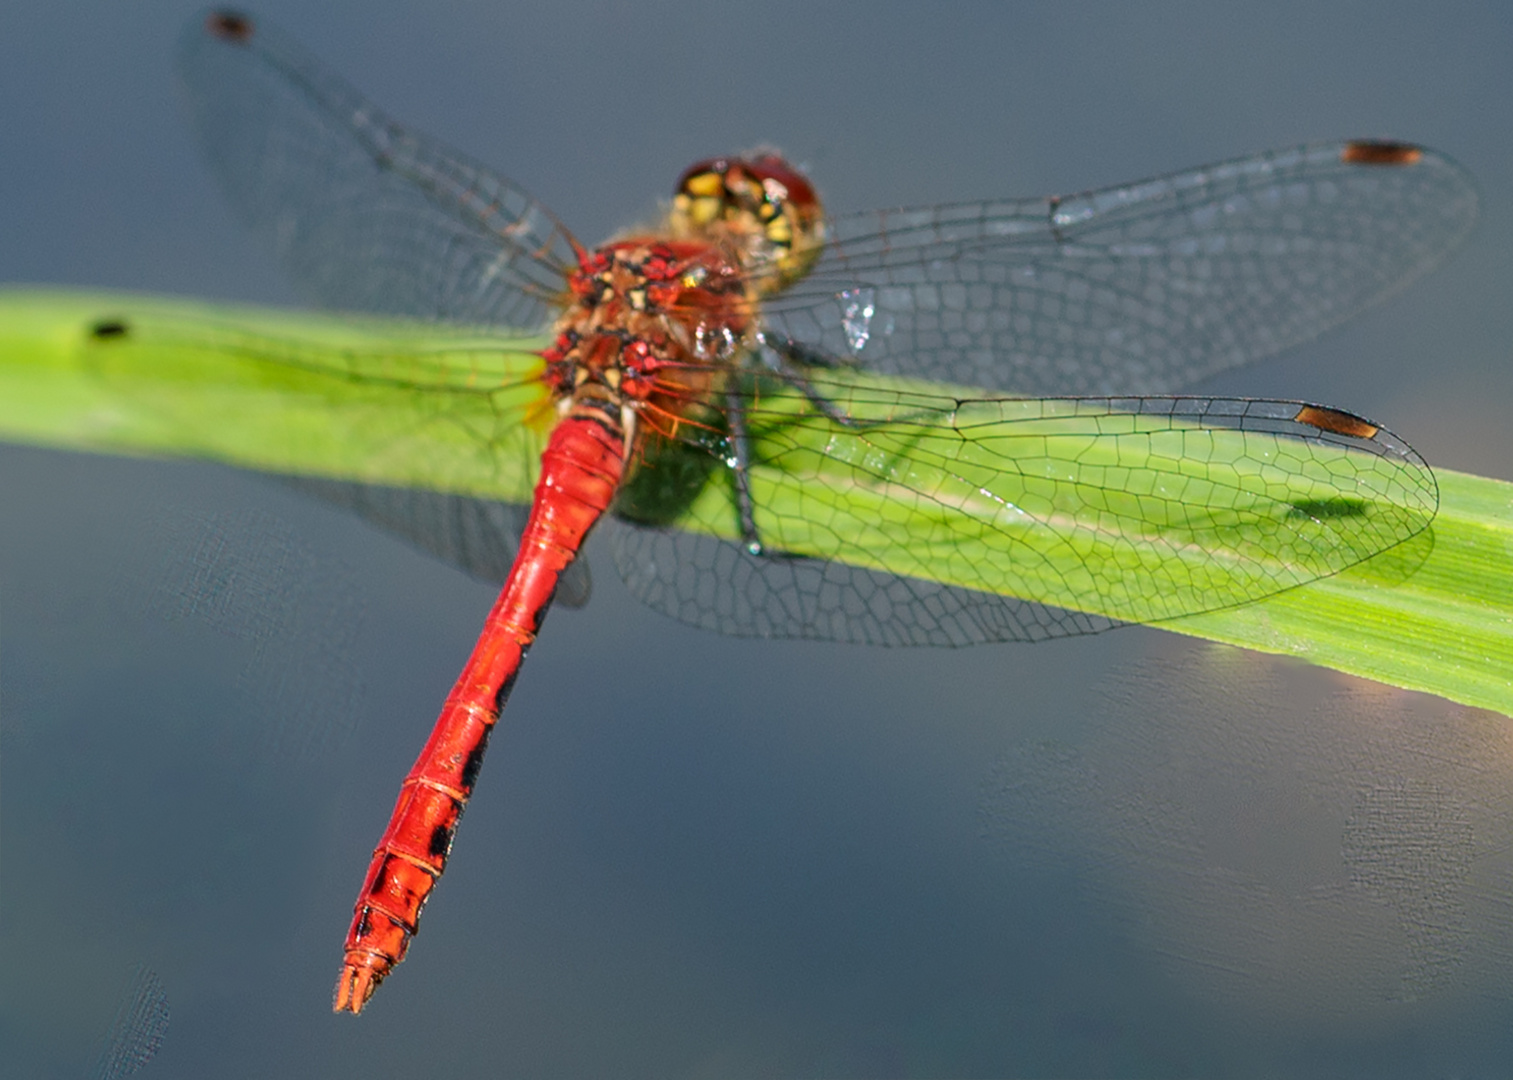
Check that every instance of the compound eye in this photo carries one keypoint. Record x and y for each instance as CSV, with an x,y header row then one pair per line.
x,y
784,183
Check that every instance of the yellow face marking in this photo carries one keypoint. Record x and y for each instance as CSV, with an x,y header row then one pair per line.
x,y
706,185
699,211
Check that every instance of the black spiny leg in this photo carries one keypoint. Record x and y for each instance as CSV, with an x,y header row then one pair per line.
x,y
794,357
740,442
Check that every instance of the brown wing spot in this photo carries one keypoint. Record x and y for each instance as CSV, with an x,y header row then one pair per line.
x,y
1366,152
1341,423
107,329
230,26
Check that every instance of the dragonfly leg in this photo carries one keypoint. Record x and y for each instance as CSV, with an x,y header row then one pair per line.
x,y
793,358
796,354
740,442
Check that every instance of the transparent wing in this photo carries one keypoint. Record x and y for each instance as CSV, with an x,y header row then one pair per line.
x,y
363,214
392,421
942,521
138,1029
1140,288
380,402
477,536
718,585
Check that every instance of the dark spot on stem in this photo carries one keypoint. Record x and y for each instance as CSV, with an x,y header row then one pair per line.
x,y
106,329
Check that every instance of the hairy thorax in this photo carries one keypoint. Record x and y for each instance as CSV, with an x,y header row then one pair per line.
x,y
653,326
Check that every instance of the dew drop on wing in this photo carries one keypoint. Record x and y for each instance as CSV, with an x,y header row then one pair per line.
x,y
856,319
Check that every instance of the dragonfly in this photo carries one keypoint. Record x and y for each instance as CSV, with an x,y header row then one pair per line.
x,y
944,425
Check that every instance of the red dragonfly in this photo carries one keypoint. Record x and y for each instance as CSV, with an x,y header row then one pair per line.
x,y
733,345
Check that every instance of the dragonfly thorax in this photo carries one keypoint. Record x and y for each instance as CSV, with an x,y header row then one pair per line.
x,y
650,322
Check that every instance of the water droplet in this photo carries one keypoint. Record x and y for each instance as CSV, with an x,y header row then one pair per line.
x,y
857,310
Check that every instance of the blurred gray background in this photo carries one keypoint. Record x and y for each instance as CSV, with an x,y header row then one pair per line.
x,y
1133,855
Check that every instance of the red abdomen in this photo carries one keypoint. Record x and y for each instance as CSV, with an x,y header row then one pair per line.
x,y
580,471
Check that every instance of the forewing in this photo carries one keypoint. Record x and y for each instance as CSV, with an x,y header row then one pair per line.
x,y
942,521
1140,288
363,214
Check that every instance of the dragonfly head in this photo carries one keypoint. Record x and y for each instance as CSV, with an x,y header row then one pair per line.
x,y
761,206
